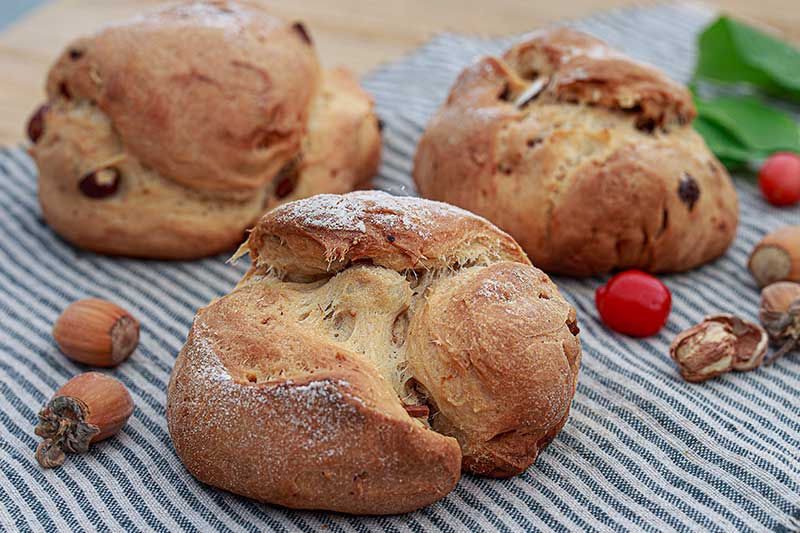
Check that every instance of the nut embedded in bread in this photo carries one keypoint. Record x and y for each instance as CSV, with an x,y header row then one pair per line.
x,y
168,135
377,346
586,157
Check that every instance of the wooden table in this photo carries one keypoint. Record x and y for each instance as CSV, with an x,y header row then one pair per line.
x,y
357,33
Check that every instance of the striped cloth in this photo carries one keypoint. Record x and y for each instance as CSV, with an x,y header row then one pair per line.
x,y
642,451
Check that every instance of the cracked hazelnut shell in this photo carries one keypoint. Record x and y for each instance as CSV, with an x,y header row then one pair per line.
x,y
750,344
703,351
717,345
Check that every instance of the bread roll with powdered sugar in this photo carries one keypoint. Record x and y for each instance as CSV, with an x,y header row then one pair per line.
x,y
377,346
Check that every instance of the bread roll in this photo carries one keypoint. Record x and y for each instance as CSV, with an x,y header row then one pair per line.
x,y
170,134
586,157
377,346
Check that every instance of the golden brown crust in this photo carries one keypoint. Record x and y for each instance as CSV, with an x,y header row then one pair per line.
x,y
586,70
342,149
599,170
320,435
201,137
504,339
222,110
291,389
328,233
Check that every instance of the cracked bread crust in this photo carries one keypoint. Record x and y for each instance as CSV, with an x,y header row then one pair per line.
x,y
211,113
291,389
586,157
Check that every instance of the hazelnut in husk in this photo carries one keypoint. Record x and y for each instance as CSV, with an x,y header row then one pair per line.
x,y
780,316
88,408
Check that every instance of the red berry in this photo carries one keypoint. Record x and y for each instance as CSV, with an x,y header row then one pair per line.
x,y
635,303
779,178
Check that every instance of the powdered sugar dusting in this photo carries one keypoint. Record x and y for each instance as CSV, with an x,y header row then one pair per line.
x,y
324,211
353,211
494,289
314,416
597,51
318,399
227,16
224,15
504,290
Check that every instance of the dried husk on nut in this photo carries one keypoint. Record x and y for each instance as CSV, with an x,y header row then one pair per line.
x,y
88,408
719,344
780,316
63,426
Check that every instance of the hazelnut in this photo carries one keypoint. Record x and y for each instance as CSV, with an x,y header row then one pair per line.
x,y
777,257
780,316
88,408
96,332
719,344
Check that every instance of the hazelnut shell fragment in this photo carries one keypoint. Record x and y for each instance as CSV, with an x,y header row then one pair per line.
x,y
88,408
719,344
96,332
777,257
703,351
751,341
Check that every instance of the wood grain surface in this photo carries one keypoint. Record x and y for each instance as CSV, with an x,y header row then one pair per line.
x,y
358,33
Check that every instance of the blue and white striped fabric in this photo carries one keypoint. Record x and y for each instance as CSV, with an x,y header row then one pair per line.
x,y
642,451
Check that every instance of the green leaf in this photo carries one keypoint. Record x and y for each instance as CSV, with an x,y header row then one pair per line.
x,y
731,164
742,130
754,125
731,51
725,146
